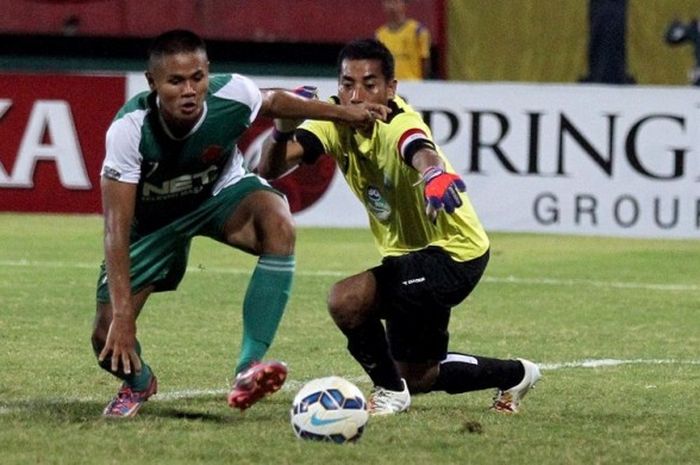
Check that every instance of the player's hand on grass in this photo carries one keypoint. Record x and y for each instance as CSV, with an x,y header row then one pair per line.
x,y
441,191
121,346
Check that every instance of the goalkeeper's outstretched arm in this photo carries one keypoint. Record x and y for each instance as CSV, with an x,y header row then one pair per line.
x,y
281,153
279,103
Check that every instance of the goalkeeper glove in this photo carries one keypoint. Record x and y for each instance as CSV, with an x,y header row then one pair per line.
x,y
441,190
284,128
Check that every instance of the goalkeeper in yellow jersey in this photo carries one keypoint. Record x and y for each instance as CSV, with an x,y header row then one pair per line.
x,y
395,316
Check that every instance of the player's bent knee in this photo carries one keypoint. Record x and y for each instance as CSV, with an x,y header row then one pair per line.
x,y
286,229
346,308
279,235
352,301
334,309
338,308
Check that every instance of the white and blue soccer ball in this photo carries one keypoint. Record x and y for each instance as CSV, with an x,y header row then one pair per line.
x,y
329,409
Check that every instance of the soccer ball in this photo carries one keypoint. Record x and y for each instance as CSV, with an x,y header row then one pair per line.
x,y
329,409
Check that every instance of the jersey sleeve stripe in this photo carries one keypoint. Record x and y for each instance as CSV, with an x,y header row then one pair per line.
x,y
409,136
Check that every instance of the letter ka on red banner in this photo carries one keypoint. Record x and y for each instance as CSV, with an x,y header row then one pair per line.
x,y
52,130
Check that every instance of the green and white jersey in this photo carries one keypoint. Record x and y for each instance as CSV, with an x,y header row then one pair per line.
x,y
175,175
390,189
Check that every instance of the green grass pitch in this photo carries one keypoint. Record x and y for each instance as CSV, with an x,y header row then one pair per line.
x,y
614,323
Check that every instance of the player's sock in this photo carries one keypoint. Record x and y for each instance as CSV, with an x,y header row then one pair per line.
x,y
263,306
138,381
367,343
463,373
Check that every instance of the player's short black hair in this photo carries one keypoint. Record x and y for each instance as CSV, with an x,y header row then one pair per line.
x,y
175,41
368,49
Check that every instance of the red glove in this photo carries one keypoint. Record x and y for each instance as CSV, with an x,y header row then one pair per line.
x,y
441,190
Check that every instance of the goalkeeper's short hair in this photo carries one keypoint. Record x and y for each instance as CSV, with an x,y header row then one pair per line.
x,y
368,49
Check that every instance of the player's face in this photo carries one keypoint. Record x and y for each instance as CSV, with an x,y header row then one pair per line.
x,y
363,81
181,81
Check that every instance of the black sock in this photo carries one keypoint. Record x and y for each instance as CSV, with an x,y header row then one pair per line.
x,y
463,373
367,343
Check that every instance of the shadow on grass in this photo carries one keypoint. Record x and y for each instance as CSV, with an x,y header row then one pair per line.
x,y
179,414
208,410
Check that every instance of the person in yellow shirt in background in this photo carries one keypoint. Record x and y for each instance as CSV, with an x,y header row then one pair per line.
x,y
407,39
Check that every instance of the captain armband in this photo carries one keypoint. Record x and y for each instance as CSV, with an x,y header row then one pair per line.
x,y
410,149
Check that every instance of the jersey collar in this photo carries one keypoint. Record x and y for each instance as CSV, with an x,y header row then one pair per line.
x,y
197,125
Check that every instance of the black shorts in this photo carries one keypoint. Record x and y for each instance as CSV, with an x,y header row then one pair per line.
x,y
417,292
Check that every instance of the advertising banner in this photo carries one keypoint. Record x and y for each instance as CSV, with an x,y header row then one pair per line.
x,y
593,159
574,159
599,160
52,131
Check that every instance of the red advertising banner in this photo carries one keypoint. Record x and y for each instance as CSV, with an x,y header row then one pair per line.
x,y
52,130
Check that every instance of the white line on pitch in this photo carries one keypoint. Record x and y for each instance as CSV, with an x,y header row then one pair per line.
x,y
488,279
611,362
293,384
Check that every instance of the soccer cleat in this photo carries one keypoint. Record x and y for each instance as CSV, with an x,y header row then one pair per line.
x,y
127,402
385,402
258,381
508,401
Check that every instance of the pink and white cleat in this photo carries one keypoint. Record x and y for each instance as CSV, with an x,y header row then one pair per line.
x,y
259,380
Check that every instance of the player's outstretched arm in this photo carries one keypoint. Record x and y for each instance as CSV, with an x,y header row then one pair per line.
x,y
289,108
278,103
118,199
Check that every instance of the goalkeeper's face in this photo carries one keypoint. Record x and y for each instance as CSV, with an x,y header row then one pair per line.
x,y
362,81
181,81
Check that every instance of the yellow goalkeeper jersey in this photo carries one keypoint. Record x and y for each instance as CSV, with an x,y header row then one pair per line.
x,y
392,191
410,45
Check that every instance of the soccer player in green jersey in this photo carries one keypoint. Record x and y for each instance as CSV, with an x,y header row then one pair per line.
x,y
433,246
172,171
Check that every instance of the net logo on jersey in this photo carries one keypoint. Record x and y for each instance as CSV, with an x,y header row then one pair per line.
x,y
181,185
379,207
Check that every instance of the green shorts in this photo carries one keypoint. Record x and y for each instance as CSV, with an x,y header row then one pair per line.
x,y
160,258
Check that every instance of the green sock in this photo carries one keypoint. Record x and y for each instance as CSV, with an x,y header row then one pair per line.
x,y
138,382
265,300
